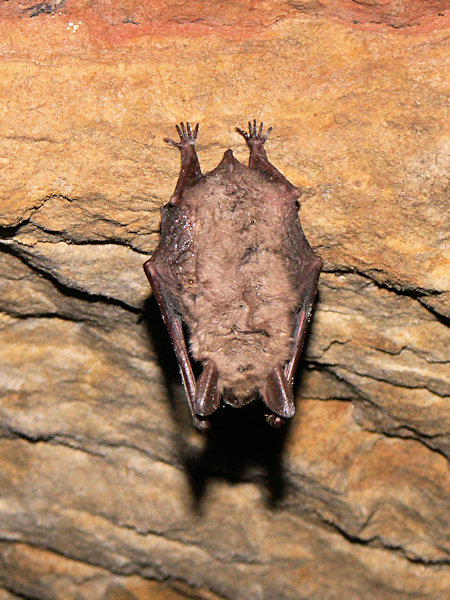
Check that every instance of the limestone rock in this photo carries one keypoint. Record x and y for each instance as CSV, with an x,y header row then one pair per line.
x,y
106,490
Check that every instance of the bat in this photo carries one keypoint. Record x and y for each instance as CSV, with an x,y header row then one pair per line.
x,y
234,270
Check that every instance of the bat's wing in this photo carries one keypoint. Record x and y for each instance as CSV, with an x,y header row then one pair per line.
x,y
305,267
202,396
277,394
162,291
165,273
308,289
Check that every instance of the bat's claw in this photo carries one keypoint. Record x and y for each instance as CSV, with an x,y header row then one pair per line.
x,y
201,423
188,136
254,134
275,420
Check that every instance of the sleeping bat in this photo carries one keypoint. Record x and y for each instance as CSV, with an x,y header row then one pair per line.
x,y
234,270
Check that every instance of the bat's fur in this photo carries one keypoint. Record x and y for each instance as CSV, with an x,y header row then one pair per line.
x,y
234,266
240,294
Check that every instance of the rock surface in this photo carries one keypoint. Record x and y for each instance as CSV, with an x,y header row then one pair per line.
x,y
106,491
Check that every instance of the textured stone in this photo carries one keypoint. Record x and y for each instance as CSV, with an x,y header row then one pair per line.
x,y
54,576
106,491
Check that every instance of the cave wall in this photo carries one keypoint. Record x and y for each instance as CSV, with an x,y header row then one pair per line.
x,y
106,490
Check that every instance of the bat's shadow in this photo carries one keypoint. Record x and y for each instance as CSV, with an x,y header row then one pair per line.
x,y
240,447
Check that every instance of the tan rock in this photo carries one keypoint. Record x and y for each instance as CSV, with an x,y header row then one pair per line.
x,y
106,491
35,572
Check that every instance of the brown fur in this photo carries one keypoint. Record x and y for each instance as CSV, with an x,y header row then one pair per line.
x,y
241,295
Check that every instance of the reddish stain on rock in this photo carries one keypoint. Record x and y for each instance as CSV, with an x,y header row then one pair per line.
x,y
401,15
115,23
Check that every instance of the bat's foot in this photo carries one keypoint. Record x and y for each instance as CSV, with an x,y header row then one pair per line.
x,y
255,139
188,137
190,166
255,135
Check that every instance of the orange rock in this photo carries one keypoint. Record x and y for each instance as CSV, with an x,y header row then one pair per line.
x,y
104,485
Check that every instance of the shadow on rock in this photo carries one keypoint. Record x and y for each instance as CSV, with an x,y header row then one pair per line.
x,y
240,446
162,347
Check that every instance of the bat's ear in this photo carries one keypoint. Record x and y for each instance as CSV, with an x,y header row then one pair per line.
x,y
297,192
176,198
228,162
